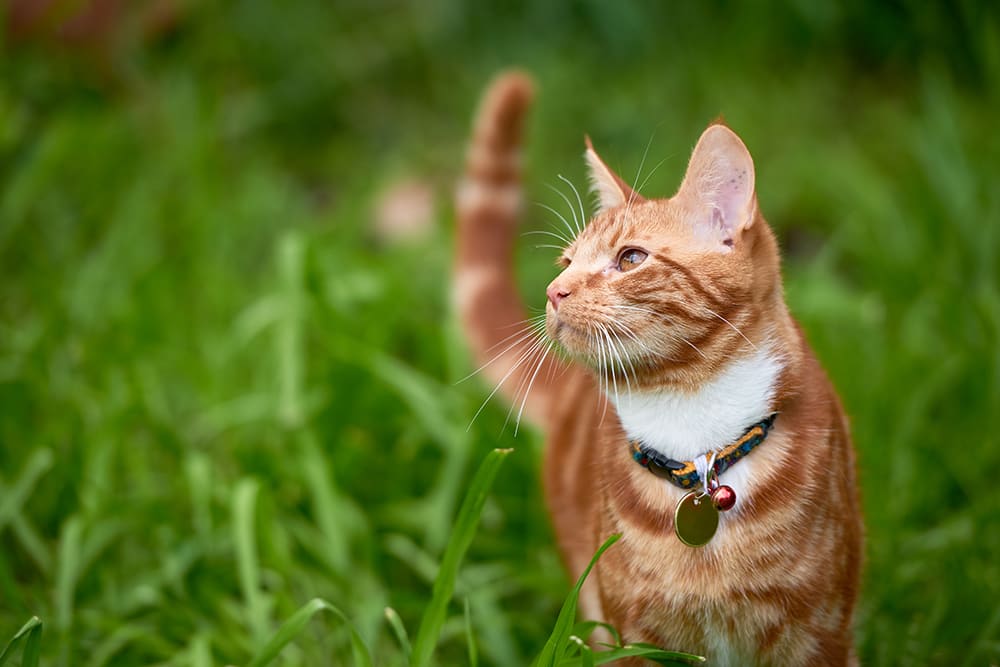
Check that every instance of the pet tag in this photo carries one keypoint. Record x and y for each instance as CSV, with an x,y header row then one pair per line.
x,y
695,519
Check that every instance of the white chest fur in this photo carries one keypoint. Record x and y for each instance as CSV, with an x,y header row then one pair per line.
x,y
683,425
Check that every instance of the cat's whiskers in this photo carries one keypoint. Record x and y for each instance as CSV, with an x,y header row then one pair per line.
x,y
602,379
631,197
538,358
628,358
619,354
731,326
532,349
646,352
546,232
529,327
538,367
610,359
674,335
572,210
579,200
631,334
691,345
650,175
559,215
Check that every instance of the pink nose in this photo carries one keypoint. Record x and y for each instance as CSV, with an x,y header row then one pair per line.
x,y
556,293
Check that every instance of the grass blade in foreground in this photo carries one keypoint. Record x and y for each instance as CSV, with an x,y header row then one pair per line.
x,y
31,632
562,640
294,626
647,651
555,647
396,623
461,538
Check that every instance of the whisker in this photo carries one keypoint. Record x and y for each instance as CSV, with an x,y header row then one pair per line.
x,y
548,233
614,354
524,334
538,367
533,328
569,227
513,368
692,346
628,358
622,358
628,332
731,326
583,216
568,203
628,206
601,375
536,351
674,335
651,172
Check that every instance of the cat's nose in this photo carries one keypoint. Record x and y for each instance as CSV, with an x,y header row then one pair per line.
x,y
556,293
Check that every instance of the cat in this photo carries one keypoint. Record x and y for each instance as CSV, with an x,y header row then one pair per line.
x,y
677,344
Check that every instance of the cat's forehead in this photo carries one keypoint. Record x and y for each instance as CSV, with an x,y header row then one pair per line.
x,y
650,222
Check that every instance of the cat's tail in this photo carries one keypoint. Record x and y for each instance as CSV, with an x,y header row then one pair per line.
x,y
488,205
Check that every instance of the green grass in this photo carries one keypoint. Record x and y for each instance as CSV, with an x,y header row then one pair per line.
x,y
227,407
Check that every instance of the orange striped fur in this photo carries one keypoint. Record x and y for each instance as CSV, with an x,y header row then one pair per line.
x,y
683,344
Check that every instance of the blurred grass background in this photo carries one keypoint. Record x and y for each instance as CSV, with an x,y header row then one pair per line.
x,y
223,392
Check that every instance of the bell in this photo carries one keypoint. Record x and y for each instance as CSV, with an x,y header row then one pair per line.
x,y
723,497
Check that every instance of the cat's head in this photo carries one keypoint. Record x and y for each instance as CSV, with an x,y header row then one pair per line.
x,y
659,284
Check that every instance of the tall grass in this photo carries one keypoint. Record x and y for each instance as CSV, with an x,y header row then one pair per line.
x,y
227,407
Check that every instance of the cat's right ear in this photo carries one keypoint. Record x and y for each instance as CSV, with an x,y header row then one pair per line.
x,y
718,187
609,187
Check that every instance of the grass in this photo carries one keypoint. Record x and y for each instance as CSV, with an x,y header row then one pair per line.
x,y
229,409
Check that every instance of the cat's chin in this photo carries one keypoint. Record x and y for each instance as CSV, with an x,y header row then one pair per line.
x,y
576,343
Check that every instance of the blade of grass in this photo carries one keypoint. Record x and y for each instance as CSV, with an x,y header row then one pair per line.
x,y
647,651
67,572
18,493
586,653
291,262
555,647
297,622
461,538
199,653
586,628
396,623
31,632
326,504
244,503
471,636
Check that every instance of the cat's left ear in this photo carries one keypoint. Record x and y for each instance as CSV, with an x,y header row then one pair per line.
x,y
718,187
611,190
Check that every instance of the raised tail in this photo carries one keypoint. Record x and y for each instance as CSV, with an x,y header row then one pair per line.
x,y
488,205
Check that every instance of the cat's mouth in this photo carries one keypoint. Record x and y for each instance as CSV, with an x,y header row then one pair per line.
x,y
573,339
579,342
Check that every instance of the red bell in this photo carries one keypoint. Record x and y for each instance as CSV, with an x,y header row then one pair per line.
x,y
723,497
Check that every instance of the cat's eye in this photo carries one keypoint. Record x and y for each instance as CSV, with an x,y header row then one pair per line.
x,y
631,258
564,262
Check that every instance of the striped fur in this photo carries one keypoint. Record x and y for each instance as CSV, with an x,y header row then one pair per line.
x,y
685,350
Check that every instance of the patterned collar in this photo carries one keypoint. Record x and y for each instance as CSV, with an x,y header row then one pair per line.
x,y
684,473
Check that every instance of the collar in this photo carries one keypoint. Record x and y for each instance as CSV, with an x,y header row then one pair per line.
x,y
684,473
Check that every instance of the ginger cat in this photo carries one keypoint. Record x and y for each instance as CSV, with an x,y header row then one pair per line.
x,y
672,311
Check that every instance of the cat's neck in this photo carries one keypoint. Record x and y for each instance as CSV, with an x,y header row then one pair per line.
x,y
682,424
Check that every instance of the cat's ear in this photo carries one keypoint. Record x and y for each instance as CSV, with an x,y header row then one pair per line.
x,y
609,187
718,187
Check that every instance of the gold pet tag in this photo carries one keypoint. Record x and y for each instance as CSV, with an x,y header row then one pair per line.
x,y
695,519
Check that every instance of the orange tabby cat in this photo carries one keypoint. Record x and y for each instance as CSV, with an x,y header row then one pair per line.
x,y
673,312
